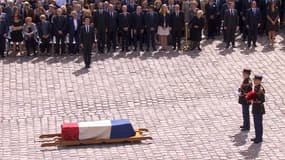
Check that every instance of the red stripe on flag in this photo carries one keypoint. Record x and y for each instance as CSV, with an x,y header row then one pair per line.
x,y
70,131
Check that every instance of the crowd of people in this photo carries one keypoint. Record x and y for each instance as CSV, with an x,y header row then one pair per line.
x,y
37,26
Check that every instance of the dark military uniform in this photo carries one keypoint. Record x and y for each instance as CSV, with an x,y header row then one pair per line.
x,y
246,87
258,110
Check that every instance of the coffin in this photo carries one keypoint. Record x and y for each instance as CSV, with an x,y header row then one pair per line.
x,y
105,129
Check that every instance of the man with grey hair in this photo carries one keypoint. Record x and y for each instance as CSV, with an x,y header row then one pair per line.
x,y
112,28
101,21
60,27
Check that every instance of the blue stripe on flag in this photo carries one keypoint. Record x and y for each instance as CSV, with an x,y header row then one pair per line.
x,y
122,129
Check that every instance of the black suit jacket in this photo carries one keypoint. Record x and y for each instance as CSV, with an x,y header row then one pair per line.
x,y
41,27
231,21
177,22
151,21
163,20
73,32
60,24
211,10
100,20
253,19
138,21
87,38
3,28
113,21
125,21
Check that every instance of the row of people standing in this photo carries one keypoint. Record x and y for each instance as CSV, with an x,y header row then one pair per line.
x,y
138,28
250,17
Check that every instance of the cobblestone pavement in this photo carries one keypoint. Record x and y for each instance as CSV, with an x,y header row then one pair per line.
x,y
187,101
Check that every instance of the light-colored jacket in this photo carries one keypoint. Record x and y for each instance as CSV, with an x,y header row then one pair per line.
x,y
26,31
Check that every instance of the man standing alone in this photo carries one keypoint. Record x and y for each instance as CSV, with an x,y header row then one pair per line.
x,y
87,40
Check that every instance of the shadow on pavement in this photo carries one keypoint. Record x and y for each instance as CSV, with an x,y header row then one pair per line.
x,y
81,71
239,139
252,151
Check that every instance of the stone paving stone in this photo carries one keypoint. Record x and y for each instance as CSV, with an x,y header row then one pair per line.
x,y
187,101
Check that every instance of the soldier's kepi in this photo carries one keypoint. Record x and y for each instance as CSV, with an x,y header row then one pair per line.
x,y
244,89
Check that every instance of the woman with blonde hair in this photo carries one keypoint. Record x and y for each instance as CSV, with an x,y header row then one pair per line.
x,y
196,26
163,26
30,35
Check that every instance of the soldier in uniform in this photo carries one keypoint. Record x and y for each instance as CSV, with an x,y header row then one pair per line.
x,y
245,87
258,108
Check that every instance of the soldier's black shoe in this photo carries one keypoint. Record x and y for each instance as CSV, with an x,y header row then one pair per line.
x,y
252,139
241,127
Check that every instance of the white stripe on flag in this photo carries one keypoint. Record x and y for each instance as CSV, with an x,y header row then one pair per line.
x,y
97,129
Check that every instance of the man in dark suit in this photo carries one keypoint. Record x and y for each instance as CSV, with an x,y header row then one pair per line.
x,y
60,29
9,11
138,27
125,26
231,24
45,34
87,40
211,17
112,28
151,24
74,24
245,5
3,35
263,11
220,4
253,23
177,23
223,12
101,23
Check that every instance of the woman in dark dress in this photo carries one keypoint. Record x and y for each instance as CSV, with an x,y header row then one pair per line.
x,y
16,33
272,21
196,26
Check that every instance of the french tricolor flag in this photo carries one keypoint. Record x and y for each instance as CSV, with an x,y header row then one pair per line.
x,y
104,129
